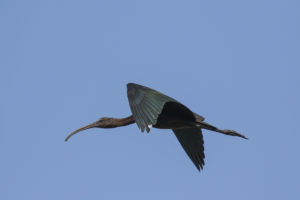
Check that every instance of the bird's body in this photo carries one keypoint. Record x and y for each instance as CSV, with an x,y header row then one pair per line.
x,y
151,108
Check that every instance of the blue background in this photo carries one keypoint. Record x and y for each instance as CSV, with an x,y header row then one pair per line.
x,y
64,64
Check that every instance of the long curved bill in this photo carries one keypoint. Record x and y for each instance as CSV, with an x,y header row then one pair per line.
x,y
92,125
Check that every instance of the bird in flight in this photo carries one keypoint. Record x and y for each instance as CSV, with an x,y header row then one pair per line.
x,y
151,108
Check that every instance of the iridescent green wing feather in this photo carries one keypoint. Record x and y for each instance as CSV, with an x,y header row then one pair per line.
x,y
191,140
146,104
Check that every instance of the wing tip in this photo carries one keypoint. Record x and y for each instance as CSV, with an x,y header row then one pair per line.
x,y
132,88
136,86
132,85
199,166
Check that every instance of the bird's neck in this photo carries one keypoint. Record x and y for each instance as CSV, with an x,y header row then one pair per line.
x,y
124,121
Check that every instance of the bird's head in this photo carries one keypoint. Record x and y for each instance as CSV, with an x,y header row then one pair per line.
x,y
104,122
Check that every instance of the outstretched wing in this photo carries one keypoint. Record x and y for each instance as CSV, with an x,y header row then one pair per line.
x,y
191,140
147,104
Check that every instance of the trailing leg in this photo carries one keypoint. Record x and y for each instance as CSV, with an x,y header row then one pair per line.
x,y
207,126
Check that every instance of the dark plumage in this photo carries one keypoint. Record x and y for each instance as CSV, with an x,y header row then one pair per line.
x,y
151,108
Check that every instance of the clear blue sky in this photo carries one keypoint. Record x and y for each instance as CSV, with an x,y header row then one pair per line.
x,y
64,64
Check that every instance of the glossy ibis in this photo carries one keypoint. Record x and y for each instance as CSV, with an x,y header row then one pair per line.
x,y
151,108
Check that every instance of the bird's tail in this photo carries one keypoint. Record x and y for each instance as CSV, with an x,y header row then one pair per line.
x,y
207,126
